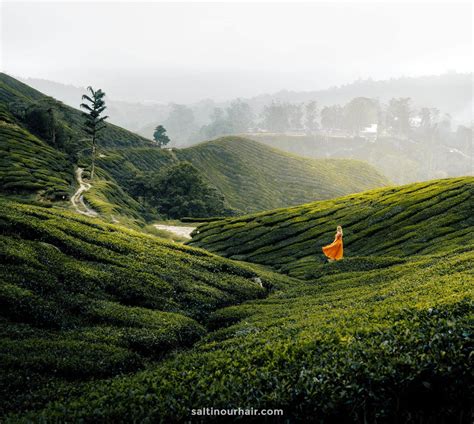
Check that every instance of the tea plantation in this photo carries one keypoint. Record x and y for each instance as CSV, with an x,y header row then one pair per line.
x,y
380,227
17,96
255,177
28,165
82,300
386,335
42,141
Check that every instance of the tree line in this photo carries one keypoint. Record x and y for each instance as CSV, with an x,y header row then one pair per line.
x,y
397,117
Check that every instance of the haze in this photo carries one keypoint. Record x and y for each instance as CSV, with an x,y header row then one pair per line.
x,y
184,52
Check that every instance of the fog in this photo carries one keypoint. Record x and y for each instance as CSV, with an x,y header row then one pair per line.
x,y
184,52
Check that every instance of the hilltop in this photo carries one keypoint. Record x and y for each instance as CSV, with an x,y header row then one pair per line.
x,y
255,177
379,226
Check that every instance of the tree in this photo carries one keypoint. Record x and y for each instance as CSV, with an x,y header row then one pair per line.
x,y
276,116
296,116
311,114
94,121
41,119
239,116
180,123
359,113
398,115
178,190
160,136
332,117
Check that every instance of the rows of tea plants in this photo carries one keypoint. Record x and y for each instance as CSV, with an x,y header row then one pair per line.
x,y
255,177
14,94
395,222
82,300
392,344
28,165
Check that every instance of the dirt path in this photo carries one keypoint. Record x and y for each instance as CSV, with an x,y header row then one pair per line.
x,y
77,198
184,232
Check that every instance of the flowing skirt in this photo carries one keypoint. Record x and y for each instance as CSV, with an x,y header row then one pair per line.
x,y
335,250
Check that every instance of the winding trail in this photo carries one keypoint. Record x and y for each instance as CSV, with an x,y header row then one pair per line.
x,y
77,198
184,232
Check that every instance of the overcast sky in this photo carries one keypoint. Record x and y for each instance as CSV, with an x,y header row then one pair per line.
x,y
184,52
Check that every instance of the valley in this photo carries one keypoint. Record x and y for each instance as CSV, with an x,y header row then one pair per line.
x,y
176,279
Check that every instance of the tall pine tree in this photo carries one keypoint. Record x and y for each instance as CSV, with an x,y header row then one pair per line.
x,y
94,121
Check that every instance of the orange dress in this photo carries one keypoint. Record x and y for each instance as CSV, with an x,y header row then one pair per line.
x,y
335,250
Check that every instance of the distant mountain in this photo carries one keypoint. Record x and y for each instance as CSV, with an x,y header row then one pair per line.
x,y
450,93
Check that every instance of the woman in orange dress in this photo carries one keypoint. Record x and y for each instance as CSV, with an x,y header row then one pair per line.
x,y
335,250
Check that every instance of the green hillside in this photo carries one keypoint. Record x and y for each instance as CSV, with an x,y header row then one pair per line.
x,y
250,176
34,166
28,165
381,337
255,177
82,300
15,97
379,226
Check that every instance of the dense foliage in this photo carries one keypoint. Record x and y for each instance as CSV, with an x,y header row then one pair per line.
x,y
178,190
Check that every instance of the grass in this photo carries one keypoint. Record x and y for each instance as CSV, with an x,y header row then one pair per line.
x,y
393,222
255,177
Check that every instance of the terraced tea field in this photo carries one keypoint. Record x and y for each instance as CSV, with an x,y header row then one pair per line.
x,y
147,330
82,300
380,226
28,165
255,177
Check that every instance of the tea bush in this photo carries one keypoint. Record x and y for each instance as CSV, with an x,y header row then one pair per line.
x,y
84,300
391,222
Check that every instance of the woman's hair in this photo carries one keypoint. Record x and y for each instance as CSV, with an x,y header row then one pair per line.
x,y
339,229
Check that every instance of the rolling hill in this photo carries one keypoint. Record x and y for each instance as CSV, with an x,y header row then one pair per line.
x,y
83,300
393,222
251,177
108,325
402,160
34,168
17,96
254,177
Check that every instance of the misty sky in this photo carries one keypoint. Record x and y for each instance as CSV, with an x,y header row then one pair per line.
x,y
184,52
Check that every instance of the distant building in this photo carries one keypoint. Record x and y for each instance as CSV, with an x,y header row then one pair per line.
x,y
415,122
370,132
